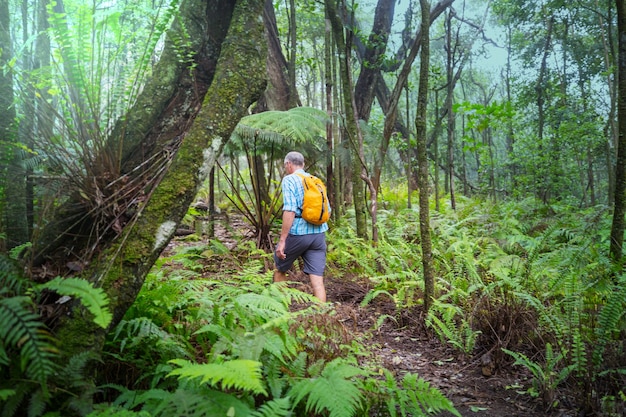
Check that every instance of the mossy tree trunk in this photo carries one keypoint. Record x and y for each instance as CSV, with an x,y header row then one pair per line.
x,y
152,129
237,82
420,127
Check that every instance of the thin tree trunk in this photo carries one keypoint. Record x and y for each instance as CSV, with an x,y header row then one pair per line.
x,y
12,175
540,88
372,58
293,44
436,157
330,140
610,129
420,126
617,228
352,130
451,125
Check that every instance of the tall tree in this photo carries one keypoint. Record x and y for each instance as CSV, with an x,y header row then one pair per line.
x,y
619,210
351,130
12,175
228,49
420,128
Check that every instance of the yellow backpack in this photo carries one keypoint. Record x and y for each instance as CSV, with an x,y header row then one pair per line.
x,y
315,207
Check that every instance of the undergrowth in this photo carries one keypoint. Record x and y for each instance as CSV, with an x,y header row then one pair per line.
x,y
209,334
515,281
198,343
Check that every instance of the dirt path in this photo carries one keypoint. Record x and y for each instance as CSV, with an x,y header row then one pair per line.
x,y
406,346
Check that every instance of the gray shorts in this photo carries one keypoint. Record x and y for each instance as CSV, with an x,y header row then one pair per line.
x,y
312,248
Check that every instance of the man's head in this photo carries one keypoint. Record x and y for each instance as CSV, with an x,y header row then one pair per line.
x,y
293,162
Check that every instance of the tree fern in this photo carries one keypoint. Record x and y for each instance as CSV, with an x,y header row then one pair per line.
x,y
335,390
241,374
298,125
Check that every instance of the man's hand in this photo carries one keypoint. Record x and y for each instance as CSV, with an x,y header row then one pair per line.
x,y
280,250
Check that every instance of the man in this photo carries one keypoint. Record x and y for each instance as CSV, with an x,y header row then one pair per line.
x,y
297,236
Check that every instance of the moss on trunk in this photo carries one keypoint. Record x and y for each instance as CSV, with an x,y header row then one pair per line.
x,y
121,269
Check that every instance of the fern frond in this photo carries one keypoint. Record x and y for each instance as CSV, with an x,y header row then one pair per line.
x,y
420,398
279,407
183,402
373,294
240,374
94,299
21,329
613,311
262,305
335,390
11,281
299,124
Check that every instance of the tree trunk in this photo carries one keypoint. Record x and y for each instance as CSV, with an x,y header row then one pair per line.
x,y
617,228
12,175
450,122
279,94
540,88
151,129
352,130
293,47
328,91
236,84
420,126
372,57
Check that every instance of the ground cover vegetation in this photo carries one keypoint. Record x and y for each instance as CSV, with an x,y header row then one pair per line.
x,y
116,116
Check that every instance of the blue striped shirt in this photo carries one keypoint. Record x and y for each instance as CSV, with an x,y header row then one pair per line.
x,y
293,196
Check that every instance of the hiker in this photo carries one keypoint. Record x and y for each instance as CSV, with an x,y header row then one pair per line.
x,y
297,236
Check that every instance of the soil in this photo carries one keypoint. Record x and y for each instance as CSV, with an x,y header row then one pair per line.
x,y
402,344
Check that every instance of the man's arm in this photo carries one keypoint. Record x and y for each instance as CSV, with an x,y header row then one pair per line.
x,y
288,217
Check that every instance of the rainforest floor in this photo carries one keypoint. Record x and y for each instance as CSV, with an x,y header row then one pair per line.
x,y
402,344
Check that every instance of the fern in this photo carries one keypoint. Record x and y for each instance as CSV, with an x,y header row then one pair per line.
x,y
546,378
608,321
279,407
240,374
21,329
94,299
418,397
12,283
188,401
335,390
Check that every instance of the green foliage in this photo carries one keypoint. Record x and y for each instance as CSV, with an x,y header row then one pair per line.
x,y
299,125
94,299
29,358
334,390
239,374
249,353
547,376
408,396
23,331
517,276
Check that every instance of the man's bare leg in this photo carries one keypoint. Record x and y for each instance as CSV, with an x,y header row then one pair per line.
x,y
317,282
280,276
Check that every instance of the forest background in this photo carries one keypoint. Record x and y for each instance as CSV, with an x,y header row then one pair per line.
x,y
125,122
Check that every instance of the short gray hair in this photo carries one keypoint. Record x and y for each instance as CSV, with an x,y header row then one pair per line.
x,y
296,158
